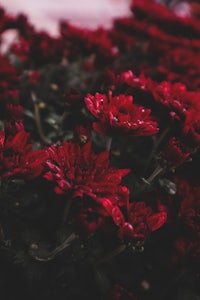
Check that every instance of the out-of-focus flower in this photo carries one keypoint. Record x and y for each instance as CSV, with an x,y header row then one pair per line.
x,y
189,210
14,112
180,64
191,127
187,248
175,98
118,113
14,116
165,19
82,134
95,42
73,99
8,79
21,49
33,77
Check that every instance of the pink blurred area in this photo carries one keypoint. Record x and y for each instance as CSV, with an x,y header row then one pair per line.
x,y
45,14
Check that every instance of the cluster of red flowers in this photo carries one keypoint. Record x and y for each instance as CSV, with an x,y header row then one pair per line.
x,y
116,136
76,170
169,45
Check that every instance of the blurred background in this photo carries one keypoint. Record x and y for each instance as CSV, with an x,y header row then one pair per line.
x,y
44,14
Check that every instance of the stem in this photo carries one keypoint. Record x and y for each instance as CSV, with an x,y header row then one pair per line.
x,y
155,147
109,144
38,120
67,210
51,255
158,170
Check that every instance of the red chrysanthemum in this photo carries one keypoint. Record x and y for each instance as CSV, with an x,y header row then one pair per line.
x,y
21,49
14,122
187,247
141,219
191,127
9,79
82,134
79,171
172,99
72,99
90,215
118,113
175,97
189,210
17,158
175,152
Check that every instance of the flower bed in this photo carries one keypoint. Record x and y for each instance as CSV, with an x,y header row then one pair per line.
x,y
99,159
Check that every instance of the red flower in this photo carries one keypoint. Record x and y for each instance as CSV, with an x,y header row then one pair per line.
x,y
17,158
34,77
14,112
80,171
172,98
82,134
187,247
73,99
129,79
9,79
14,127
175,153
181,64
141,219
175,97
189,210
118,113
14,121
90,215
21,49
191,127
90,42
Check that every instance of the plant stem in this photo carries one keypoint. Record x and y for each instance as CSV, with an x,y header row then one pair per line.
x,y
67,210
158,170
51,255
38,120
147,182
155,147
109,144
